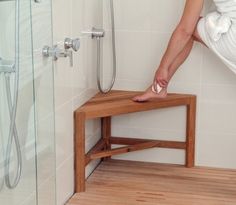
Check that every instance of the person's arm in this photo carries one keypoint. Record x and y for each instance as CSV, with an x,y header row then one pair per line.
x,y
181,35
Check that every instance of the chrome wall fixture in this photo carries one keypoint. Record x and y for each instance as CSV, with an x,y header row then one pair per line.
x,y
72,43
55,52
97,34
6,66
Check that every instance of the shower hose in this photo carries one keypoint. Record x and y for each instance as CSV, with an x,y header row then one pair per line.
x,y
13,136
12,102
99,71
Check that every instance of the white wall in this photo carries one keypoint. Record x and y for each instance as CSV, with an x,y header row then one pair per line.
x,y
143,28
73,85
142,35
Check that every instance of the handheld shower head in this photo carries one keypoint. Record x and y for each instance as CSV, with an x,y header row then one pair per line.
x,y
7,66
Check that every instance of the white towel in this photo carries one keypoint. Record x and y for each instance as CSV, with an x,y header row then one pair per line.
x,y
218,31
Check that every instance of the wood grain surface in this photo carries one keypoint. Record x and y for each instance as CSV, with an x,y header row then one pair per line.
x,y
117,182
120,102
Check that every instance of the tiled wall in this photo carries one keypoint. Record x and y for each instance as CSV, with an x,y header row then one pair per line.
x,y
73,85
142,36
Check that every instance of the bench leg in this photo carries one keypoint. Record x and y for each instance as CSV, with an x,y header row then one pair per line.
x,y
79,152
106,133
190,133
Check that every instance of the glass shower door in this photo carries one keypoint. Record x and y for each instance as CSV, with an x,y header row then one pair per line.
x,y
27,144
44,102
18,180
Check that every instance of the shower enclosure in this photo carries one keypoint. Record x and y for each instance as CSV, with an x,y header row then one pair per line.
x,y
27,142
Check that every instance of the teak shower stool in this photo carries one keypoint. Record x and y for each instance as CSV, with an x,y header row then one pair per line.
x,y
117,103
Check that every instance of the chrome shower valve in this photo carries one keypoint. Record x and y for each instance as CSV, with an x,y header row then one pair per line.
x,y
72,43
55,52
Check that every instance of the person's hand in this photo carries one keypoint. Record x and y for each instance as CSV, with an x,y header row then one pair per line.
x,y
161,77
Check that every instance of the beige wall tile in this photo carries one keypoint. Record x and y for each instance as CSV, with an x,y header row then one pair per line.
x,y
74,85
140,46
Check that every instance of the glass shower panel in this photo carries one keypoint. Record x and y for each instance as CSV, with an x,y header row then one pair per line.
x,y
44,92
27,138
18,180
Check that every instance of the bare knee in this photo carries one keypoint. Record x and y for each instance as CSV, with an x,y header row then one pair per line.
x,y
196,37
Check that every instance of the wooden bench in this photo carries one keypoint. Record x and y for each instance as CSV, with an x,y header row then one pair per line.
x,y
105,106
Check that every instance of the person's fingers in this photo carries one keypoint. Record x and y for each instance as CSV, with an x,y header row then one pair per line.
x,y
161,79
162,83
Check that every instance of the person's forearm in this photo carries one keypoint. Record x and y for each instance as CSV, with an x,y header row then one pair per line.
x,y
177,43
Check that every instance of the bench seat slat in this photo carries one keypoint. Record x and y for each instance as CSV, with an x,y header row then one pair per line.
x,y
120,102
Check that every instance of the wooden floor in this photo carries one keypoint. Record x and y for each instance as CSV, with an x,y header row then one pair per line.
x,y
117,182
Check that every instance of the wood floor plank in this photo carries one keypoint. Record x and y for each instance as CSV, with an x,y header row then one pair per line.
x,y
117,182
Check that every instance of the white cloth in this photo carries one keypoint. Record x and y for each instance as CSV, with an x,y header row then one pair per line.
x,y
218,31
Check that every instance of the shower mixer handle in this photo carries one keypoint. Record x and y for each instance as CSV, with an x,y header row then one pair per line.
x,y
55,52
72,43
70,55
95,33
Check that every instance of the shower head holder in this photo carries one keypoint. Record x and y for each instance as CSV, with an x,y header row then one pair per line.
x,y
7,66
95,33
